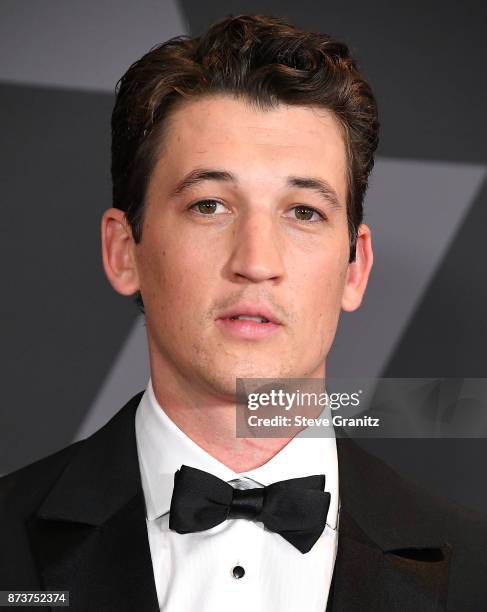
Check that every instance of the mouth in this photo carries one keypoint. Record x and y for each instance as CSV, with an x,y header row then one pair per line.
x,y
248,318
249,322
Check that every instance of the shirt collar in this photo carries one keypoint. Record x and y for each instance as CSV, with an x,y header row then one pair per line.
x,y
162,448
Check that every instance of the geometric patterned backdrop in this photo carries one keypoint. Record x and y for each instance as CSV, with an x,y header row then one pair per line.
x,y
73,351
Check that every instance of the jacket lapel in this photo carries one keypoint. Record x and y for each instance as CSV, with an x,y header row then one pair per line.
x,y
391,553
89,536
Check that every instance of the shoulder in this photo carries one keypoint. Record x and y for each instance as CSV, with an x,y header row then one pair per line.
x,y
407,519
82,483
464,531
23,490
21,494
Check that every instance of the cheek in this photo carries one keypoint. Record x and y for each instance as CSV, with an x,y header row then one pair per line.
x,y
174,273
321,287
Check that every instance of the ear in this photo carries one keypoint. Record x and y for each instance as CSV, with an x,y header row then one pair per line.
x,y
358,271
118,252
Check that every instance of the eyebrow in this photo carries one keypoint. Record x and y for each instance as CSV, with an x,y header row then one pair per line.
x,y
202,174
318,185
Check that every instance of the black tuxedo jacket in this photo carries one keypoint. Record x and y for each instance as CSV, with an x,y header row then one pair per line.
x,y
76,521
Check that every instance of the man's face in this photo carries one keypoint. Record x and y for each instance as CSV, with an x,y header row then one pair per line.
x,y
255,231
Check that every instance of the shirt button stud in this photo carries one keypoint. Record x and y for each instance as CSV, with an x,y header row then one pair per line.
x,y
238,572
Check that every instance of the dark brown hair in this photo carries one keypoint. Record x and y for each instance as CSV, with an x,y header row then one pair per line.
x,y
264,60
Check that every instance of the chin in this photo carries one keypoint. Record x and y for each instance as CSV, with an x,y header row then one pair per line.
x,y
226,382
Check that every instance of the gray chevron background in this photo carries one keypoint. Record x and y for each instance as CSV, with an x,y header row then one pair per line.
x,y
73,351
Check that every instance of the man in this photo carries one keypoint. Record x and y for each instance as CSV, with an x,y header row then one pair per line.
x,y
240,161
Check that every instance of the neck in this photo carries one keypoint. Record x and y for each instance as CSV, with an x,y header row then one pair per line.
x,y
209,420
211,425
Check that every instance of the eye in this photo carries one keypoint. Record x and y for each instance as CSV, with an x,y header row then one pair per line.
x,y
306,214
206,207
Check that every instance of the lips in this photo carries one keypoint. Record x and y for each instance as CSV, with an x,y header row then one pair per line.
x,y
261,311
258,323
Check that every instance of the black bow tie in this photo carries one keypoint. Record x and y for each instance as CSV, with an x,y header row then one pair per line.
x,y
296,509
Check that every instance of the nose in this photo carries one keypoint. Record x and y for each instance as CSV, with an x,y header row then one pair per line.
x,y
256,249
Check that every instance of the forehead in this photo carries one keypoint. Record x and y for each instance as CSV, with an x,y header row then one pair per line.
x,y
262,144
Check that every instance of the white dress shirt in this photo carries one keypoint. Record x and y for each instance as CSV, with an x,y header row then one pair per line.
x,y
194,572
